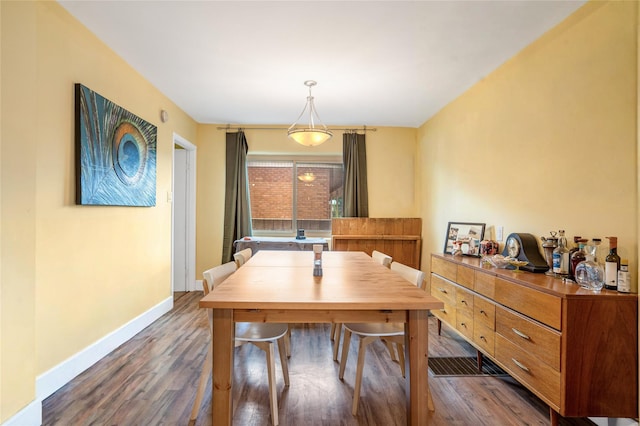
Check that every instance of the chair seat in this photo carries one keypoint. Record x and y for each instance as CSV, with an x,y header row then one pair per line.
x,y
259,332
376,329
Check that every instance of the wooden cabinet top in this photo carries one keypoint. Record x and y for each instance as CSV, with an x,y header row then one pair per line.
x,y
538,281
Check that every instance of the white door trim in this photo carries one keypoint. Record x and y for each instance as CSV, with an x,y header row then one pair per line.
x,y
190,197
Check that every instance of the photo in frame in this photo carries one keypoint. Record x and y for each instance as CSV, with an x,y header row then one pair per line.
x,y
467,234
115,153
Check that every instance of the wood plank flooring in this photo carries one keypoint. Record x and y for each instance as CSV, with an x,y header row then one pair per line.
x,y
152,379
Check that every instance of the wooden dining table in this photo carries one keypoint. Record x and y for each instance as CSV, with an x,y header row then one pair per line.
x,y
279,286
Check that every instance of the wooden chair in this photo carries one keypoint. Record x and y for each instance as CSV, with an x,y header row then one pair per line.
x,y
392,333
336,327
242,256
262,335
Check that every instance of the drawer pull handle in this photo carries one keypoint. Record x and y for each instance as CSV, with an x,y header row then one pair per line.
x,y
444,311
521,334
483,338
519,364
463,301
463,325
483,312
442,290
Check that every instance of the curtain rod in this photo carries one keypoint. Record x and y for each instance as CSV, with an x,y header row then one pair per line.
x,y
352,129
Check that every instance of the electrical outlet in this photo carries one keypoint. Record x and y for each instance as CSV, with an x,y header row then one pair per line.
x,y
499,233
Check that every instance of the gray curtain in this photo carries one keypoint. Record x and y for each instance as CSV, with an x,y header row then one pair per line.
x,y
354,157
237,208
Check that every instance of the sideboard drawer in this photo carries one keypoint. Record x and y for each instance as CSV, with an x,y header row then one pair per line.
x,y
443,290
484,337
465,276
484,312
522,365
446,314
535,304
541,342
485,284
444,268
464,324
464,302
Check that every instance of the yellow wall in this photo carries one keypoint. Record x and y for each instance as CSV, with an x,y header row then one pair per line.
x,y
70,274
18,359
548,141
388,149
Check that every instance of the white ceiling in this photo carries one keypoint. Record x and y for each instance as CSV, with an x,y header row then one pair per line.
x,y
377,63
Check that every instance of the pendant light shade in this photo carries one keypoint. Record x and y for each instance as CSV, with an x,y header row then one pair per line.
x,y
307,177
310,135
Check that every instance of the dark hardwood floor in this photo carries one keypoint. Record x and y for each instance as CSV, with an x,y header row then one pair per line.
x,y
152,379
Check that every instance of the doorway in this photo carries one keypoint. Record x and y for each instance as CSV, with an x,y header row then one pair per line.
x,y
183,216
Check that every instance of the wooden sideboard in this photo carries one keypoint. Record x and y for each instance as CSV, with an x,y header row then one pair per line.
x,y
575,349
400,238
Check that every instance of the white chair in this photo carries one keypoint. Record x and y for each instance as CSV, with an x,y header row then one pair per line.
x,y
336,327
242,256
369,332
262,335
380,257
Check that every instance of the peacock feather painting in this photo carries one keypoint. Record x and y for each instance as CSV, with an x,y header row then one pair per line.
x,y
115,153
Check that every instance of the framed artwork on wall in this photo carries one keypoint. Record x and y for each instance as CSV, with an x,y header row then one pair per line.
x,y
466,235
115,153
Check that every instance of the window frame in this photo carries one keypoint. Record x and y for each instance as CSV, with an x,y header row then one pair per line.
x,y
295,160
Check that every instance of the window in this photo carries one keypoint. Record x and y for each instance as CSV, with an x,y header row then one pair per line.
x,y
290,194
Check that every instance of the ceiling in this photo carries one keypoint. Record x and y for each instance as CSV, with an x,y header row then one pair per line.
x,y
377,63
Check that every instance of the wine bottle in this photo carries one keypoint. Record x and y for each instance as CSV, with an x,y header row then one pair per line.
x,y
612,265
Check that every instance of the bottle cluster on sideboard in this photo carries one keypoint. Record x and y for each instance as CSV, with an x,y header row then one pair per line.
x,y
580,263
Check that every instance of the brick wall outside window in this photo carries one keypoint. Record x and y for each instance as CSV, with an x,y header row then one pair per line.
x,y
272,187
271,192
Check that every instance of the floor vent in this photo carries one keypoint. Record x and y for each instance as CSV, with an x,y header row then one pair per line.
x,y
463,366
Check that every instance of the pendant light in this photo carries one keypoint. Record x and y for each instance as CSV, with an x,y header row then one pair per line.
x,y
311,135
307,177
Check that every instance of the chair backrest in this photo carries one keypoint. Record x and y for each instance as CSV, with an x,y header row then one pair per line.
x,y
242,256
217,274
382,258
415,276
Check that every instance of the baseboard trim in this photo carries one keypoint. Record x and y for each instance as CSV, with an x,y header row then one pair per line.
x,y
610,421
58,376
52,380
31,415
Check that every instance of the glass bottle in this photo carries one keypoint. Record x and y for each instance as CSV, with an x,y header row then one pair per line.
x,y
588,273
596,242
561,256
575,248
624,281
549,244
612,265
577,256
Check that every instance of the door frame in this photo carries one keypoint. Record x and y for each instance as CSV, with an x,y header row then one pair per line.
x,y
190,216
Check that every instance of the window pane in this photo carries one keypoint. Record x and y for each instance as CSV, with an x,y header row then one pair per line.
x,y
271,192
287,195
319,195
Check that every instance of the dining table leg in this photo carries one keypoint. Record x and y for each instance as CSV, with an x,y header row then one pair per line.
x,y
223,336
416,361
